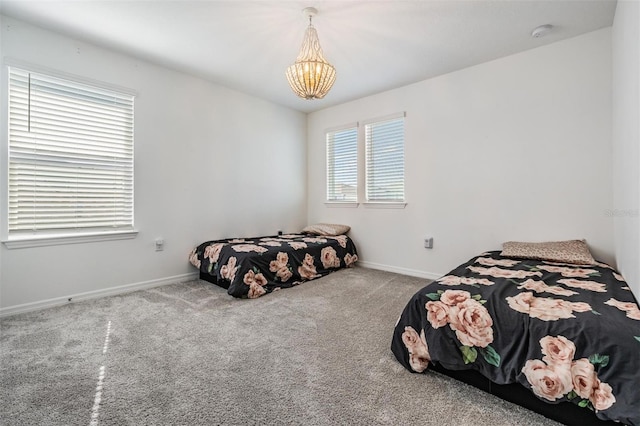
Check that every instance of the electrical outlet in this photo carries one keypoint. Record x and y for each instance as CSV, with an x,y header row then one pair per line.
x,y
428,242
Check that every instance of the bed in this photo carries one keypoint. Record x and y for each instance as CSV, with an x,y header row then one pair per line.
x,y
557,334
253,267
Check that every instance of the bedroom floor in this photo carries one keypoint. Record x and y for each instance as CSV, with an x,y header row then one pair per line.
x,y
188,353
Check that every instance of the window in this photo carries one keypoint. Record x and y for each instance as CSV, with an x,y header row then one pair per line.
x,y
342,164
70,157
384,160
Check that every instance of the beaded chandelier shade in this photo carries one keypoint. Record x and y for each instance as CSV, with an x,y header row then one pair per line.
x,y
311,76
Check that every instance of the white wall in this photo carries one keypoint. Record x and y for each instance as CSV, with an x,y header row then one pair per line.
x,y
514,149
626,140
209,163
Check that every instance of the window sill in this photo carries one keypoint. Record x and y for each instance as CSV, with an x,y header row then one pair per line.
x,y
59,239
341,204
385,205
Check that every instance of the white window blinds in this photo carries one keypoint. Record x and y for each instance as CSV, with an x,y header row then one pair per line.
x,y
384,152
342,164
70,156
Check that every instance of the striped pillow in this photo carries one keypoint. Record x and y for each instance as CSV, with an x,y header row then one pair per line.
x,y
326,229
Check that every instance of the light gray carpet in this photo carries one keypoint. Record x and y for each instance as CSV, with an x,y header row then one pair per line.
x,y
189,354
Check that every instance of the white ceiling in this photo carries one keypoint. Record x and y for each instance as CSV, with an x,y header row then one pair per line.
x,y
374,45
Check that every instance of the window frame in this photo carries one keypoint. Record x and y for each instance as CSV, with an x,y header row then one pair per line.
x,y
381,203
57,236
335,202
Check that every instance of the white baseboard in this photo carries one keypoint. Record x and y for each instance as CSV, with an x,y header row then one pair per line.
x,y
398,270
49,303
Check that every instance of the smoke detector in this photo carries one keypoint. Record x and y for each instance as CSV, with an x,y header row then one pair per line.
x,y
541,31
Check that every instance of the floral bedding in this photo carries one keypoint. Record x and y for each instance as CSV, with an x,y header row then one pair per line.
x,y
567,332
252,267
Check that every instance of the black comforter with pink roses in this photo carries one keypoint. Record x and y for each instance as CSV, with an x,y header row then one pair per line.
x,y
252,267
565,332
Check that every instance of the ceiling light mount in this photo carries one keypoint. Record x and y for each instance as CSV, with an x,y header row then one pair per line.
x,y
311,76
309,12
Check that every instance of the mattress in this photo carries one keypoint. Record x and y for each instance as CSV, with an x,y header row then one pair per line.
x,y
565,333
253,267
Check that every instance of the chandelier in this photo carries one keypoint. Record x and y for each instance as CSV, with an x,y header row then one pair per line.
x,y
311,76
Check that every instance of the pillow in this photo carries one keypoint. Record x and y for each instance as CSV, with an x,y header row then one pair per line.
x,y
326,229
572,251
